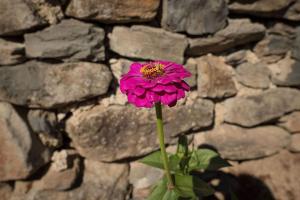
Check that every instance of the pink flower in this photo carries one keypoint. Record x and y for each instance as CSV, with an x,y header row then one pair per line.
x,y
154,82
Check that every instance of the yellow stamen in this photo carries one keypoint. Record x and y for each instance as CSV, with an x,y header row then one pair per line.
x,y
152,70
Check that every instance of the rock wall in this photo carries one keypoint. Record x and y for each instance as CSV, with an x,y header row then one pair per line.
x,y
66,132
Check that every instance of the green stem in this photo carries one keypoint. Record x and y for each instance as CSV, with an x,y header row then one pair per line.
x,y
160,133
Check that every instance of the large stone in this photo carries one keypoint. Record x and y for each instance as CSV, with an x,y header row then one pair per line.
x,y
21,153
6,191
119,67
295,143
296,45
11,52
238,32
253,75
148,43
37,84
275,177
118,132
215,77
17,16
256,109
286,72
291,122
194,16
191,66
236,143
101,181
113,10
260,7
70,40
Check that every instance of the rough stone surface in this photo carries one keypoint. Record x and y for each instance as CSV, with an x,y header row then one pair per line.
x,y
38,84
256,109
271,173
113,10
6,191
291,122
100,182
11,52
260,7
17,16
242,56
119,67
148,43
292,12
253,75
236,143
295,143
191,66
215,77
70,40
134,131
194,16
21,153
238,32
296,45
45,124
286,72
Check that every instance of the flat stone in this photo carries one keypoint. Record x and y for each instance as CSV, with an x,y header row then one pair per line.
x,y
21,153
291,122
119,67
42,85
253,75
11,52
286,72
118,132
113,11
256,109
101,181
215,77
195,17
238,32
236,143
17,16
148,43
262,179
69,40
260,7
295,143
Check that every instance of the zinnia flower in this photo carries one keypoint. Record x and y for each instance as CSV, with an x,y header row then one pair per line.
x,y
155,82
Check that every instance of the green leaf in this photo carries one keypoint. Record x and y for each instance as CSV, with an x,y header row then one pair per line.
x,y
206,159
153,159
170,195
191,186
159,190
174,162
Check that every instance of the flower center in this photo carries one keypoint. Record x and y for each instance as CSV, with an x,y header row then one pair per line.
x,y
152,70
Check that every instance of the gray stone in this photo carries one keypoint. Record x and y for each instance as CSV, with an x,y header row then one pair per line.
x,y
253,75
101,181
11,52
271,172
290,122
215,77
45,124
296,45
195,17
256,109
238,32
292,12
236,143
286,72
17,16
148,43
260,7
119,67
191,66
6,191
295,143
21,153
113,11
37,84
118,132
69,40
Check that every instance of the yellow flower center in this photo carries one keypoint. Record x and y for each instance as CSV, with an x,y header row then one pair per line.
x,y
152,70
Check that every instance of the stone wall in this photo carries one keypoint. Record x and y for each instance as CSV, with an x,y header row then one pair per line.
x,y
66,132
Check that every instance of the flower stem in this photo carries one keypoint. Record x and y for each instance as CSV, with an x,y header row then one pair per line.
x,y
160,133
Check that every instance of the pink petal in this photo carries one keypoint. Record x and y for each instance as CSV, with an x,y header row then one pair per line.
x,y
170,88
139,91
158,88
168,98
